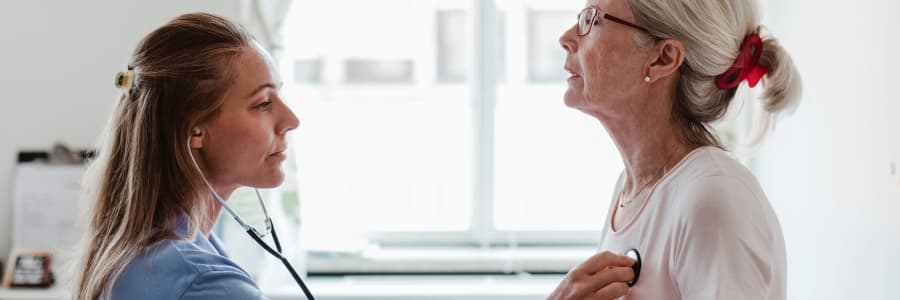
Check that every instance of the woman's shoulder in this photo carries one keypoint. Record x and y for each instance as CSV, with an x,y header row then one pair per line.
x,y
712,190
711,179
710,162
183,269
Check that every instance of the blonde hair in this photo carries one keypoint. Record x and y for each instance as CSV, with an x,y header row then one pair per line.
x,y
143,177
712,32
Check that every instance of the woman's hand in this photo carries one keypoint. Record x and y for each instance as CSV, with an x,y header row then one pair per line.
x,y
601,277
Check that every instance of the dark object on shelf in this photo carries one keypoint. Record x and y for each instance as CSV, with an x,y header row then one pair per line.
x,y
60,154
31,269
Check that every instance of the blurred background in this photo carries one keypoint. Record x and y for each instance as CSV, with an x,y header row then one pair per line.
x,y
435,157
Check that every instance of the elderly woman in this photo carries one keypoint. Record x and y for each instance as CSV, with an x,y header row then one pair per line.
x,y
656,73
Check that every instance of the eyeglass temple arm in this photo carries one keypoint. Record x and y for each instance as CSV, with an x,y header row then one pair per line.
x,y
626,23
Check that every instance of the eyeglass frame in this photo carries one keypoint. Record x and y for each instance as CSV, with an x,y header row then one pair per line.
x,y
607,16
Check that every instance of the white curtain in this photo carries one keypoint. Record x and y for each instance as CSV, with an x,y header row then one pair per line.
x,y
265,19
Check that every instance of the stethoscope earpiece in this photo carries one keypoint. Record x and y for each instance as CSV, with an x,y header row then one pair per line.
x,y
633,254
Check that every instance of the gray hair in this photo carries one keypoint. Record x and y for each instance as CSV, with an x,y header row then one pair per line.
x,y
712,32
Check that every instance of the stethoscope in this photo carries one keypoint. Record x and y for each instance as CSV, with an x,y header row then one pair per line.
x,y
256,235
636,267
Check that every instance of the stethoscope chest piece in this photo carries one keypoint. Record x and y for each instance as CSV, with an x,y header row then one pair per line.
x,y
633,254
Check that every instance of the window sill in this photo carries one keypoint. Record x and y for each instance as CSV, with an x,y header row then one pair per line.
x,y
441,263
54,293
459,287
449,260
499,287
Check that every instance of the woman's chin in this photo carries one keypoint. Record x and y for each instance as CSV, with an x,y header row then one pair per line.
x,y
572,100
268,182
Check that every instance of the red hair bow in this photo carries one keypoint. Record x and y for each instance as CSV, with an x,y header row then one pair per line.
x,y
746,65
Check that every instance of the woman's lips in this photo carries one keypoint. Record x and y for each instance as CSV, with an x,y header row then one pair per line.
x,y
278,155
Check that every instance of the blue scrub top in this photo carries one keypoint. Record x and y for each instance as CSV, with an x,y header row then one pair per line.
x,y
185,269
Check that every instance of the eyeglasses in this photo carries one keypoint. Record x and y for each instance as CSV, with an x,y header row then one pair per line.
x,y
591,14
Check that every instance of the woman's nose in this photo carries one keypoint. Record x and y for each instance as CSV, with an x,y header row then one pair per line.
x,y
289,120
567,40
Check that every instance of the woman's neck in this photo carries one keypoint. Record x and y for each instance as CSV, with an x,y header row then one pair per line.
x,y
212,215
648,142
213,208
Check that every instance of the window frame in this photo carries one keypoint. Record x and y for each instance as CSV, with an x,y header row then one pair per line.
x,y
483,85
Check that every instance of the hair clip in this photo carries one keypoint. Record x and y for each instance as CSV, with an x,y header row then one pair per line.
x,y
124,80
746,66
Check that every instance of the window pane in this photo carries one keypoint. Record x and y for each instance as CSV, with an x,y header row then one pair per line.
x,y
394,154
451,55
379,71
545,55
452,46
555,167
308,71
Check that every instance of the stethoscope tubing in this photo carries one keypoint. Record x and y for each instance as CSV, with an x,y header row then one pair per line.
x,y
277,254
254,234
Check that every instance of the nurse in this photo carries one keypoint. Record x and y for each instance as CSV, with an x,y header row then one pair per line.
x,y
200,112
656,74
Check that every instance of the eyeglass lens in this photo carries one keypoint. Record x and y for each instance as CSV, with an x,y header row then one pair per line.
x,y
585,18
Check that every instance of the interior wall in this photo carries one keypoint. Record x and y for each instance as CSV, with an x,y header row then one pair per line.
x,y
827,169
58,60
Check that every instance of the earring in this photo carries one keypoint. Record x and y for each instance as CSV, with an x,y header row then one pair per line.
x,y
647,78
196,131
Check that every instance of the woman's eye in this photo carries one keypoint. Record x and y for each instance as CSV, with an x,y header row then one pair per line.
x,y
264,104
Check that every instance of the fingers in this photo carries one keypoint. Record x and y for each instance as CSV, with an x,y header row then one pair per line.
x,y
612,291
609,277
602,276
606,284
600,261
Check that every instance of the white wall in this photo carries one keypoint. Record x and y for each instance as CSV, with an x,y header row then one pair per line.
x,y
827,168
58,60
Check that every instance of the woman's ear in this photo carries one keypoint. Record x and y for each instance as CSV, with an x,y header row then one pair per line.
x,y
666,60
196,140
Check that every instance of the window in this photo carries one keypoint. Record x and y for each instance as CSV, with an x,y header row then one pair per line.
x,y
543,48
383,145
555,168
451,45
308,71
378,71
439,124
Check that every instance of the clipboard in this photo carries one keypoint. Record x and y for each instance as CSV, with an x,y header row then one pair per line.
x,y
46,213
45,208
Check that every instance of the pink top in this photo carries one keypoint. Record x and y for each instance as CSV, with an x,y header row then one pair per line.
x,y
706,231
